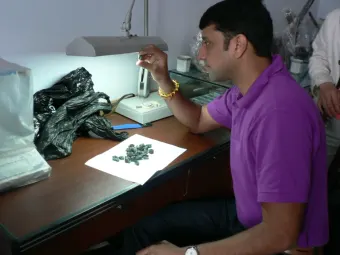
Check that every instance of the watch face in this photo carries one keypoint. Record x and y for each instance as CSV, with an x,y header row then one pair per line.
x,y
191,251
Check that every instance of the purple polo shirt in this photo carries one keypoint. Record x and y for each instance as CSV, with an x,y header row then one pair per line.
x,y
277,150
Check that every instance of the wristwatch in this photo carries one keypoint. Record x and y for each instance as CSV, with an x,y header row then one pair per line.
x,y
192,250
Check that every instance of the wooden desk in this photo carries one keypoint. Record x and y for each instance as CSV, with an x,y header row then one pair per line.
x,y
79,206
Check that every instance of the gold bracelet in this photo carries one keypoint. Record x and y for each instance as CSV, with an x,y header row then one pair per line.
x,y
171,94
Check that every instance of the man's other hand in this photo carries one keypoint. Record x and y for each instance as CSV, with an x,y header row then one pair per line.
x,y
329,99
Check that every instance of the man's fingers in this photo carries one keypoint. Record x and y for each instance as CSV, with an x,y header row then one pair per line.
x,y
331,104
150,49
144,55
144,64
336,102
151,52
329,109
147,50
320,105
149,58
324,105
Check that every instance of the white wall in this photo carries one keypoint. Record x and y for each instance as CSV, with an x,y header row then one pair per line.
x,y
181,17
35,33
178,24
326,6
45,26
276,8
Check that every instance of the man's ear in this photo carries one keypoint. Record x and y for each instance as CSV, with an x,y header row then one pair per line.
x,y
240,45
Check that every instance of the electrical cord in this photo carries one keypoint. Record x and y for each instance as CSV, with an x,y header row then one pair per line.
x,y
116,102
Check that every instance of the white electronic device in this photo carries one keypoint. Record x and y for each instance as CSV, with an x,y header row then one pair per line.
x,y
144,83
146,106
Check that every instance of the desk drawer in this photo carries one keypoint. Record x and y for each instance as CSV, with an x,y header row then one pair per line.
x,y
163,194
107,223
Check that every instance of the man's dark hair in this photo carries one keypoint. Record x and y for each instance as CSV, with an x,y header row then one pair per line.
x,y
247,17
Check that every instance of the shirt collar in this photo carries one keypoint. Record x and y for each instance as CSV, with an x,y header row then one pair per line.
x,y
256,88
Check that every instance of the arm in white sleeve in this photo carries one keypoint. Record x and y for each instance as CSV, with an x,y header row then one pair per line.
x,y
319,66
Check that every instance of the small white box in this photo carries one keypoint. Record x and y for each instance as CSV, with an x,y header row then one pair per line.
x,y
183,63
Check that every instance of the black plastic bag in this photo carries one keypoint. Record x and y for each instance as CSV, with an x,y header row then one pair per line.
x,y
70,109
46,101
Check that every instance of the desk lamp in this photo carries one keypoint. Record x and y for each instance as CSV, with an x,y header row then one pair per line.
x,y
145,107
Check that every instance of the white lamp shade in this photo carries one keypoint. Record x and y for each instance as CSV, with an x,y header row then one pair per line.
x,y
93,46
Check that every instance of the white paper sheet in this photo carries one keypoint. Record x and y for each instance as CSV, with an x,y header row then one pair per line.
x,y
163,155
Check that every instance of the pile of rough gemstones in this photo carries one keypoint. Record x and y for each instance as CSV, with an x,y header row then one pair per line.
x,y
135,153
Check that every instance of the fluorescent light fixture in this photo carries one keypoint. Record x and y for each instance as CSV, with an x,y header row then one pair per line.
x,y
93,46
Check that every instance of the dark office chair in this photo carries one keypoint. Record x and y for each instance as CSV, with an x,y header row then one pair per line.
x,y
333,173
333,247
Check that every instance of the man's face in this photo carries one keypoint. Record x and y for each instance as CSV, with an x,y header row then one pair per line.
x,y
218,61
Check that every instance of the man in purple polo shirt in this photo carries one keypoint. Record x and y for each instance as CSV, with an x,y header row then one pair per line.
x,y
277,148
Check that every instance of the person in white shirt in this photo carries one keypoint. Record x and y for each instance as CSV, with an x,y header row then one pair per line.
x,y
324,70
